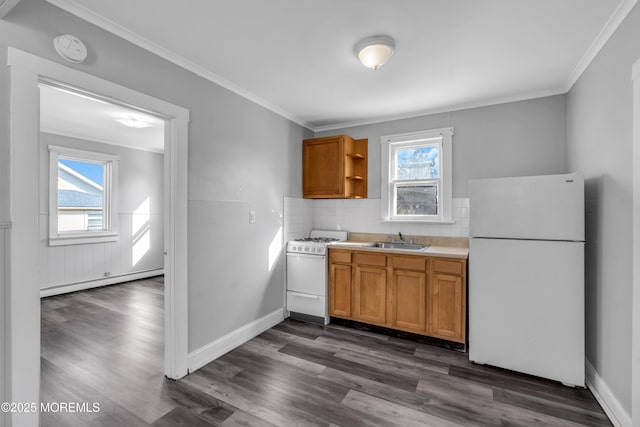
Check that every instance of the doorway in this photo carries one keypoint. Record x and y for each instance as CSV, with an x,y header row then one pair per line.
x,y
23,325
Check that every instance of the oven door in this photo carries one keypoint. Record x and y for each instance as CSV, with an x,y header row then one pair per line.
x,y
307,274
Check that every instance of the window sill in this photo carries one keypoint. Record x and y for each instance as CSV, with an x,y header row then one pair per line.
x,y
421,221
83,239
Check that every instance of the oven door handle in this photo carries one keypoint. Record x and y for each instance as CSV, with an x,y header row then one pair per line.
x,y
306,255
296,294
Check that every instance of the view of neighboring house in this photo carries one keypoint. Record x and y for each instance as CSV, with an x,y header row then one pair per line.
x,y
80,200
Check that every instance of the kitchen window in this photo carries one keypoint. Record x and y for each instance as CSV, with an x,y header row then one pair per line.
x,y
416,176
82,196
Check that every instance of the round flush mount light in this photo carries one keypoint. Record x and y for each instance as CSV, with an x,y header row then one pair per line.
x,y
375,51
70,48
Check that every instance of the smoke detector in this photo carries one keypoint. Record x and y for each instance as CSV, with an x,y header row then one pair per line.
x,y
70,48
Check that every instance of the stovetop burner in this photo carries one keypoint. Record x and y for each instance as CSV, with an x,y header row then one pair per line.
x,y
317,239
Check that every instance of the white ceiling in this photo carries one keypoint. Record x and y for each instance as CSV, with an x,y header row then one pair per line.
x,y
70,114
296,57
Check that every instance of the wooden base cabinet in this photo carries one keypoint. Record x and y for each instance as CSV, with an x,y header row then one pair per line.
x,y
447,309
423,295
448,299
408,300
340,280
370,294
340,290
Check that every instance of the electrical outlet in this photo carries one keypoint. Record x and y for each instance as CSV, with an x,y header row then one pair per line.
x,y
107,274
252,217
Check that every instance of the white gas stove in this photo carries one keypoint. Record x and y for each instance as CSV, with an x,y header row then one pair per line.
x,y
307,278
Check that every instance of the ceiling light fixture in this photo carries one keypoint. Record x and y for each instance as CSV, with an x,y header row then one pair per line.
x,y
375,51
134,122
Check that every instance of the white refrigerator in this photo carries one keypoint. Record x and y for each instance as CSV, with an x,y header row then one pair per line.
x,y
526,275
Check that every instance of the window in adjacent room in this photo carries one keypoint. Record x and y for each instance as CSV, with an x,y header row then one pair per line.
x,y
82,200
416,183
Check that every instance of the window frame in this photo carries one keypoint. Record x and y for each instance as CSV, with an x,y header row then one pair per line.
x,y
110,194
389,145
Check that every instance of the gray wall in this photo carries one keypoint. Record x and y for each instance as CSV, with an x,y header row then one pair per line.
x,y
140,177
514,139
599,132
241,157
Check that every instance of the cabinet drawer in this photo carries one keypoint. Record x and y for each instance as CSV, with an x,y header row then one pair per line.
x,y
409,263
447,266
340,256
371,259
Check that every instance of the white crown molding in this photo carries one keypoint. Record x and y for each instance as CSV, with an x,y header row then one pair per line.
x,y
112,27
6,6
605,34
607,31
447,109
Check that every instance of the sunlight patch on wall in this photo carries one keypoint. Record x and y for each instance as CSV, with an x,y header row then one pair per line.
x,y
141,231
141,216
275,249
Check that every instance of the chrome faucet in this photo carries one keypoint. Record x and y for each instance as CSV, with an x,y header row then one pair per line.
x,y
401,239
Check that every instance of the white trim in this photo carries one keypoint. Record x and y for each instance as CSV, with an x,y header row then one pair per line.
x,y
90,284
117,29
601,391
83,239
601,39
109,188
445,198
23,317
210,352
607,31
6,6
102,141
445,109
635,301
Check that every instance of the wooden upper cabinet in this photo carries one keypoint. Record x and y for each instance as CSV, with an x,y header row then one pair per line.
x,y
334,167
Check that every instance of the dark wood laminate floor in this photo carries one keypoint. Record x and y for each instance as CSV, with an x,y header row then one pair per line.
x,y
105,345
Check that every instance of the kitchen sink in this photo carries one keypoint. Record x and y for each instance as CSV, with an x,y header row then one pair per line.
x,y
400,245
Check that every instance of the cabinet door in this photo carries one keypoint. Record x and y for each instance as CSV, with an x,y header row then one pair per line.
x,y
447,312
323,168
409,296
340,290
370,294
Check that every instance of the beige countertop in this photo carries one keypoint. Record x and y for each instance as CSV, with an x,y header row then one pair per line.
x,y
433,250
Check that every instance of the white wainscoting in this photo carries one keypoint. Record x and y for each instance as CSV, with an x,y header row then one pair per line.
x,y
75,267
605,397
210,352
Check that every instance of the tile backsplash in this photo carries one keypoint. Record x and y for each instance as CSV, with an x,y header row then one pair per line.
x,y
363,215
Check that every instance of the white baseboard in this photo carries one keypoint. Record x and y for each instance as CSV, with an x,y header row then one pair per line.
x,y
605,397
210,352
112,280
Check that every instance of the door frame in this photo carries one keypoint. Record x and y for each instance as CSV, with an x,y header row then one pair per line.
x,y
23,290
635,308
